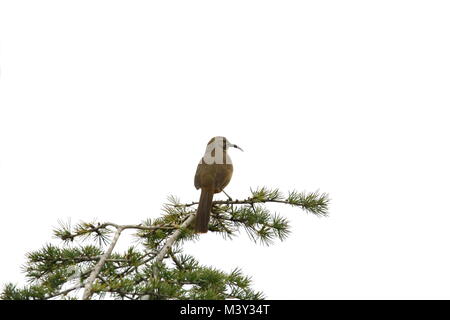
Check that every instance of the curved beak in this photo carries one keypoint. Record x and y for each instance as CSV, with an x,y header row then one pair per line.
x,y
237,147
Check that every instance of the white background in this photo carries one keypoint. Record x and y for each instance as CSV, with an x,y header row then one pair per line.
x,y
106,107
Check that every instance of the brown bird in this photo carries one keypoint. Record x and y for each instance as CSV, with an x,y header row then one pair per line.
x,y
213,174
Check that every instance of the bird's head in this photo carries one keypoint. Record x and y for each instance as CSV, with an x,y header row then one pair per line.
x,y
221,143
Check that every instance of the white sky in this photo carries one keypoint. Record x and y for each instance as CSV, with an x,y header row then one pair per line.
x,y
106,108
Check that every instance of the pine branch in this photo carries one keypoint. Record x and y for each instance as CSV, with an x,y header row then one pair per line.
x,y
145,273
63,292
90,281
85,229
171,240
313,202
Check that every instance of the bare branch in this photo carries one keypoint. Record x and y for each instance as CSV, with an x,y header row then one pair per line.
x,y
90,281
171,240
64,292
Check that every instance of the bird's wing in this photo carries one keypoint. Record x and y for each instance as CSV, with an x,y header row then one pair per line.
x,y
205,177
223,176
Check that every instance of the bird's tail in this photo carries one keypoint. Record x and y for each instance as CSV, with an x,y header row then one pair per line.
x,y
203,211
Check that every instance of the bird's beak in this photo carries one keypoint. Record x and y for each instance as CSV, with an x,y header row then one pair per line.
x,y
237,147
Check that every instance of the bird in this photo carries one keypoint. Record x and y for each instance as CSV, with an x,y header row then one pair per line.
x,y
213,174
